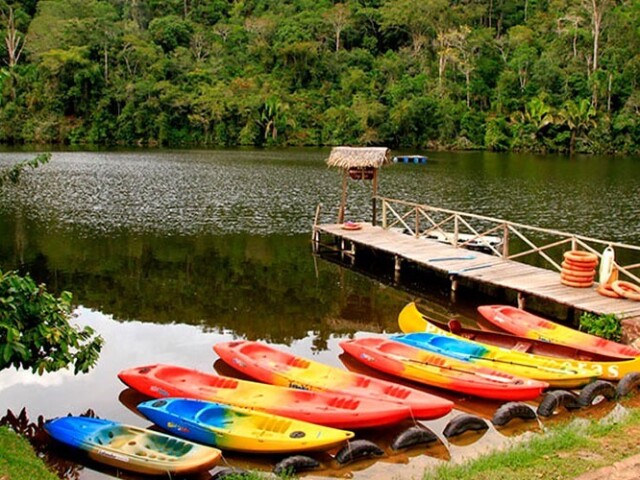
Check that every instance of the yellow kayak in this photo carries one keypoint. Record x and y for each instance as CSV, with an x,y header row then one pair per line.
x,y
558,372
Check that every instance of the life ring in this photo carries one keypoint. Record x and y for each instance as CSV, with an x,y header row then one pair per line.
x,y
579,256
570,283
351,226
587,265
606,290
578,266
606,266
575,279
590,274
626,289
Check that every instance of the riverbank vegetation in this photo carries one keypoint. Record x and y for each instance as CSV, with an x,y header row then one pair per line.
x,y
526,75
595,444
18,460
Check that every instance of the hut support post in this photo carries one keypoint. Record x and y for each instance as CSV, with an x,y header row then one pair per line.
x,y
374,194
343,198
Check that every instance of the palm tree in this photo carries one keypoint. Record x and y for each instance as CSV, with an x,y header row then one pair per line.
x,y
578,117
536,117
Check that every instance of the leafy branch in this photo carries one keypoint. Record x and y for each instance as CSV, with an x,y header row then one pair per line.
x,y
13,174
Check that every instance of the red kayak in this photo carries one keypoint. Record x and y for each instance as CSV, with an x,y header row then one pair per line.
x,y
270,365
328,409
440,371
524,324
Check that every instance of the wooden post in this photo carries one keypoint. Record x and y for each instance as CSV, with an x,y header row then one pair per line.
x,y
505,242
456,230
521,300
374,194
454,283
343,198
384,214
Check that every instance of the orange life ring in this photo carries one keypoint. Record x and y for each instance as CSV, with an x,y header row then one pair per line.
x,y
584,265
351,226
626,289
570,283
607,291
580,257
578,266
580,273
571,278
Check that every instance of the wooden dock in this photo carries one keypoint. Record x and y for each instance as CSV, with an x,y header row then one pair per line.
x,y
476,268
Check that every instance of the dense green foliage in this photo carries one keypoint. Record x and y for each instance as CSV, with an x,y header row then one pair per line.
x,y
35,332
536,75
606,326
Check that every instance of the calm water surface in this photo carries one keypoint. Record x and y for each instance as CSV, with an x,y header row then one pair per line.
x,y
169,252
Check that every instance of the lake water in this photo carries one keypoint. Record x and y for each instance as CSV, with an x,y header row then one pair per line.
x,y
169,252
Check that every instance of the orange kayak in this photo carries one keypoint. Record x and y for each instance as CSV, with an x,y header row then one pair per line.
x,y
328,409
524,324
270,365
411,363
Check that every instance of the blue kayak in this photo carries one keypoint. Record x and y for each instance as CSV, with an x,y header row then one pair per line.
x,y
237,428
132,448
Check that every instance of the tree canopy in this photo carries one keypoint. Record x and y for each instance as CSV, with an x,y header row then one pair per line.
x,y
535,75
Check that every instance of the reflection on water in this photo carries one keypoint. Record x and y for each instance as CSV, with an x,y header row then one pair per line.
x,y
169,252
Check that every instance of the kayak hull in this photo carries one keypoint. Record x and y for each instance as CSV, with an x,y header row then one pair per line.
x,y
329,409
524,324
412,363
277,367
239,429
132,448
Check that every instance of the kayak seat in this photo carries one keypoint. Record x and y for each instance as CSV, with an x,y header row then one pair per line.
x,y
345,403
457,346
298,362
522,347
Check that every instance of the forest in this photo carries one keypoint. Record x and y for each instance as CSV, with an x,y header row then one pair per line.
x,y
519,75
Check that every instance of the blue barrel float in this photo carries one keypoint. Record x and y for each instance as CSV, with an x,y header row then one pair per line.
x,y
410,159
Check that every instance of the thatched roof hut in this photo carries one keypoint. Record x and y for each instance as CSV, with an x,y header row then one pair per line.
x,y
359,163
359,157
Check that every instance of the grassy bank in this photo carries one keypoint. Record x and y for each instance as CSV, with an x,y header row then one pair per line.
x,y
564,452
18,461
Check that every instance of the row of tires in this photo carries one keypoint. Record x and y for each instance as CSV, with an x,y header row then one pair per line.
x,y
421,435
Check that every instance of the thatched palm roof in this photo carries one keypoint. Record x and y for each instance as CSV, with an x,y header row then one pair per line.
x,y
347,157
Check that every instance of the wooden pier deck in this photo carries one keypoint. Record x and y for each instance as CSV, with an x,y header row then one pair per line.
x,y
476,268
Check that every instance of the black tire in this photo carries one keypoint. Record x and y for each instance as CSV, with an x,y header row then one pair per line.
x,y
510,410
413,436
463,423
627,383
595,390
357,449
553,400
295,464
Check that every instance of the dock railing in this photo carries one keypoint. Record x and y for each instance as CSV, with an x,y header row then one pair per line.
x,y
508,240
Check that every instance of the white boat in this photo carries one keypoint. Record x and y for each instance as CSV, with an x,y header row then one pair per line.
x,y
472,242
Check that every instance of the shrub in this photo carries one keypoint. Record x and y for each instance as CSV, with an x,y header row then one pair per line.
x,y
606,326
35,332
